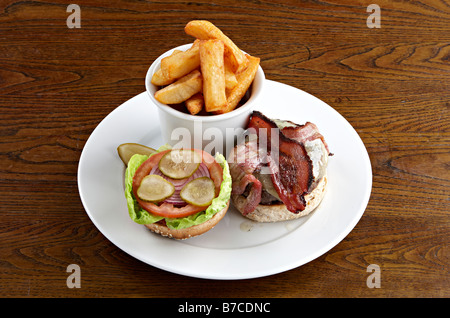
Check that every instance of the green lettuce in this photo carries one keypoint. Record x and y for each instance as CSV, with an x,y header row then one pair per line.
x,y
141,216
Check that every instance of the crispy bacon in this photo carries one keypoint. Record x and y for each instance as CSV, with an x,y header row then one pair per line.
x,y
254,197
285,157
243,161
303,133
292,175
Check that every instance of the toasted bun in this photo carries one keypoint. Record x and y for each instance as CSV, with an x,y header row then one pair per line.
x,y
279,212
189,232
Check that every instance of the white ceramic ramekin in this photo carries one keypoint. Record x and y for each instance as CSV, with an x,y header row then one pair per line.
x,y
210,133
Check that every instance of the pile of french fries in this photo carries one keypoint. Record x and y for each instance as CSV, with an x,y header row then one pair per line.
x,y
213,73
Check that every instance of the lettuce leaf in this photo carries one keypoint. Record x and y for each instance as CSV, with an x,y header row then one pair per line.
x,y
141,216
137,214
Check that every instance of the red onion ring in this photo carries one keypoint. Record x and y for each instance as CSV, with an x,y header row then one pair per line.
x,y
175,199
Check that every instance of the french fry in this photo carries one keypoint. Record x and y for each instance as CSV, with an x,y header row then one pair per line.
x,y
213,71
180,90
205,30
245,78
213,74
195,103
177,65
230,77
158,77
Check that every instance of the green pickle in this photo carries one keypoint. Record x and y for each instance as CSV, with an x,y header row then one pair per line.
x,y
154,188
199,192
180,163
127,150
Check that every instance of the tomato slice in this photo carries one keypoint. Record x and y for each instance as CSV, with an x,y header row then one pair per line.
x,y
166,209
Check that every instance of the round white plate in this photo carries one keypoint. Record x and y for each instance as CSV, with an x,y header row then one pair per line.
x,y
236,248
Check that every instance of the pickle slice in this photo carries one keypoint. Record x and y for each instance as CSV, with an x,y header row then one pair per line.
x,y
199,192
127,150
180,163
155,188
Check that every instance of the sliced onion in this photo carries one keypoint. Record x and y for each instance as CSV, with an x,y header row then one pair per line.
x,y
175,198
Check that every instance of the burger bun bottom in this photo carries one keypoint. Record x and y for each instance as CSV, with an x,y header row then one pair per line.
x,y
189,232
279,212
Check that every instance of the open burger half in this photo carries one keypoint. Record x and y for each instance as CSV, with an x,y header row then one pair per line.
x,y
279,170
177,193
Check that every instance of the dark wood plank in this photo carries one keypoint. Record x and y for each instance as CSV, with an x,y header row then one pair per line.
x,y
391,84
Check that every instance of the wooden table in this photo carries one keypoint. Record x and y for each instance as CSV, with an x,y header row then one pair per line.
x,y
391,83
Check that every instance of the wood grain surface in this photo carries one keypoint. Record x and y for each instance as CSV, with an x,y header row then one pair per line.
x,y
391,83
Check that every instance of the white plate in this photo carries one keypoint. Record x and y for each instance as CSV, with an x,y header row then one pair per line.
x,y
236,248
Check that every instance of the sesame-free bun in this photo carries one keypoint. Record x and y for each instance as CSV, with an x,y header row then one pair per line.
x,y
189,232
279,212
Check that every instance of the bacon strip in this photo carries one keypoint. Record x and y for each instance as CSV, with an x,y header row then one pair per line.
x,y
303,133
292,175
254,196
244,160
